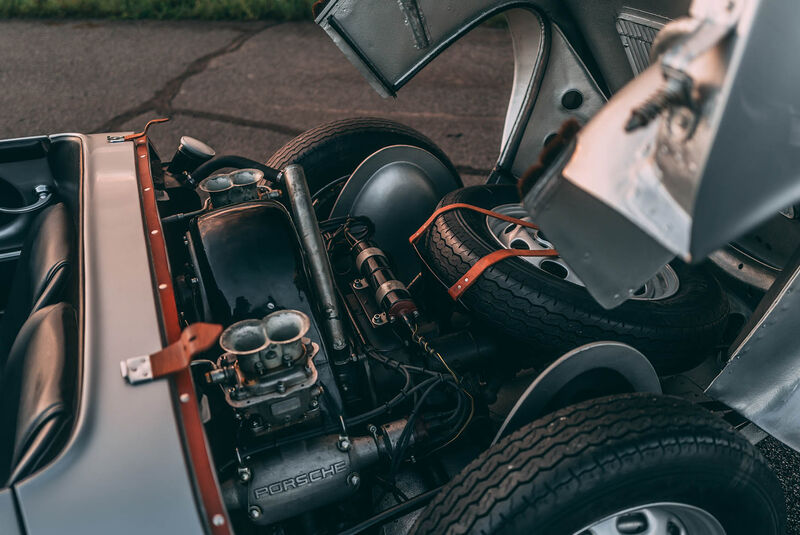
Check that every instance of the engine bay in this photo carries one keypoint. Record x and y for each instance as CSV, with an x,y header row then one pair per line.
x,y
329,394
350,382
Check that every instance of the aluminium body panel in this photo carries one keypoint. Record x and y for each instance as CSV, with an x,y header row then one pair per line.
x,y
390,42
761,379
123,470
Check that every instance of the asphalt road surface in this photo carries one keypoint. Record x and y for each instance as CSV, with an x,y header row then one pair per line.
x,y
247,88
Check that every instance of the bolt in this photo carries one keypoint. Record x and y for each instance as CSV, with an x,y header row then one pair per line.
x,y
354,480
281,387
372,429
357,284
195,281
255,422
185,398
218,520
314,404
244,474
254,512
271,306
343,444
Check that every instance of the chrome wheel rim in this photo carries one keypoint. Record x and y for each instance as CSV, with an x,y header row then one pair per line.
x,y
513,236
657,519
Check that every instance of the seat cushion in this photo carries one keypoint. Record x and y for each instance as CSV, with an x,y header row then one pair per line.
x,y
38,389
47,258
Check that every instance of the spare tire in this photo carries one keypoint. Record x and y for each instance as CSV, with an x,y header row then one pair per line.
x,y
677,321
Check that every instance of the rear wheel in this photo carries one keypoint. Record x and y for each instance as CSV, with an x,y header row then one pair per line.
x,y
330,152
631,464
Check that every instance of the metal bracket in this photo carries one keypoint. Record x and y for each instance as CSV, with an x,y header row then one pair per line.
x,y
195,339
137,369
360,284
42,191
379,319
143,133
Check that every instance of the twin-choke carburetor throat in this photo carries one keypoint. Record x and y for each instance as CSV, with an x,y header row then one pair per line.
x,y
267,371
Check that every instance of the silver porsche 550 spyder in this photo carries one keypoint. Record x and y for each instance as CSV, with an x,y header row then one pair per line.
x,y
345,339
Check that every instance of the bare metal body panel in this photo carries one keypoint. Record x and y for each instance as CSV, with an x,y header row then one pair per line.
x,y
126,445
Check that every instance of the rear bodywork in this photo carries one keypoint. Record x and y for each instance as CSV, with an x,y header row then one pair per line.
x,y
126,442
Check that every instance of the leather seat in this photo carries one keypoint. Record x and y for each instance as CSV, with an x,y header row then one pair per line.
x,y
44,267
38,391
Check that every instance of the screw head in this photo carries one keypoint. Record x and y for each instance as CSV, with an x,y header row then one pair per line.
x,y
314,404
281,387
254,512
343,444
244,474
255,422
218,520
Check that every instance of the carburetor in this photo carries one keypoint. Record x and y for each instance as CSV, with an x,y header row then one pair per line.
x,y
267,371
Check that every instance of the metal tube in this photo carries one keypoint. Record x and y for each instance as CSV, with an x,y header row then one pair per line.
x,y
305,220
393,513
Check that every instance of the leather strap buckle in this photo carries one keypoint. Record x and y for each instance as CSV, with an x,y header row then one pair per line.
x,y
194,339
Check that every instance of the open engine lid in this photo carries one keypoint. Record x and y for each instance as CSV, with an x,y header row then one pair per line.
x,y
389,42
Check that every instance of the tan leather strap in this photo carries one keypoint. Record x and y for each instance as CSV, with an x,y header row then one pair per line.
x,y
195,339
469,278
174,358
460,205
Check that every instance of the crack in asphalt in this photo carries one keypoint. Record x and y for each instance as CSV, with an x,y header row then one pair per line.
x,y
238,121
161,101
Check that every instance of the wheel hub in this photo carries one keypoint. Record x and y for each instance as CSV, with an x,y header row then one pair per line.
x,y
513,236
657,519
